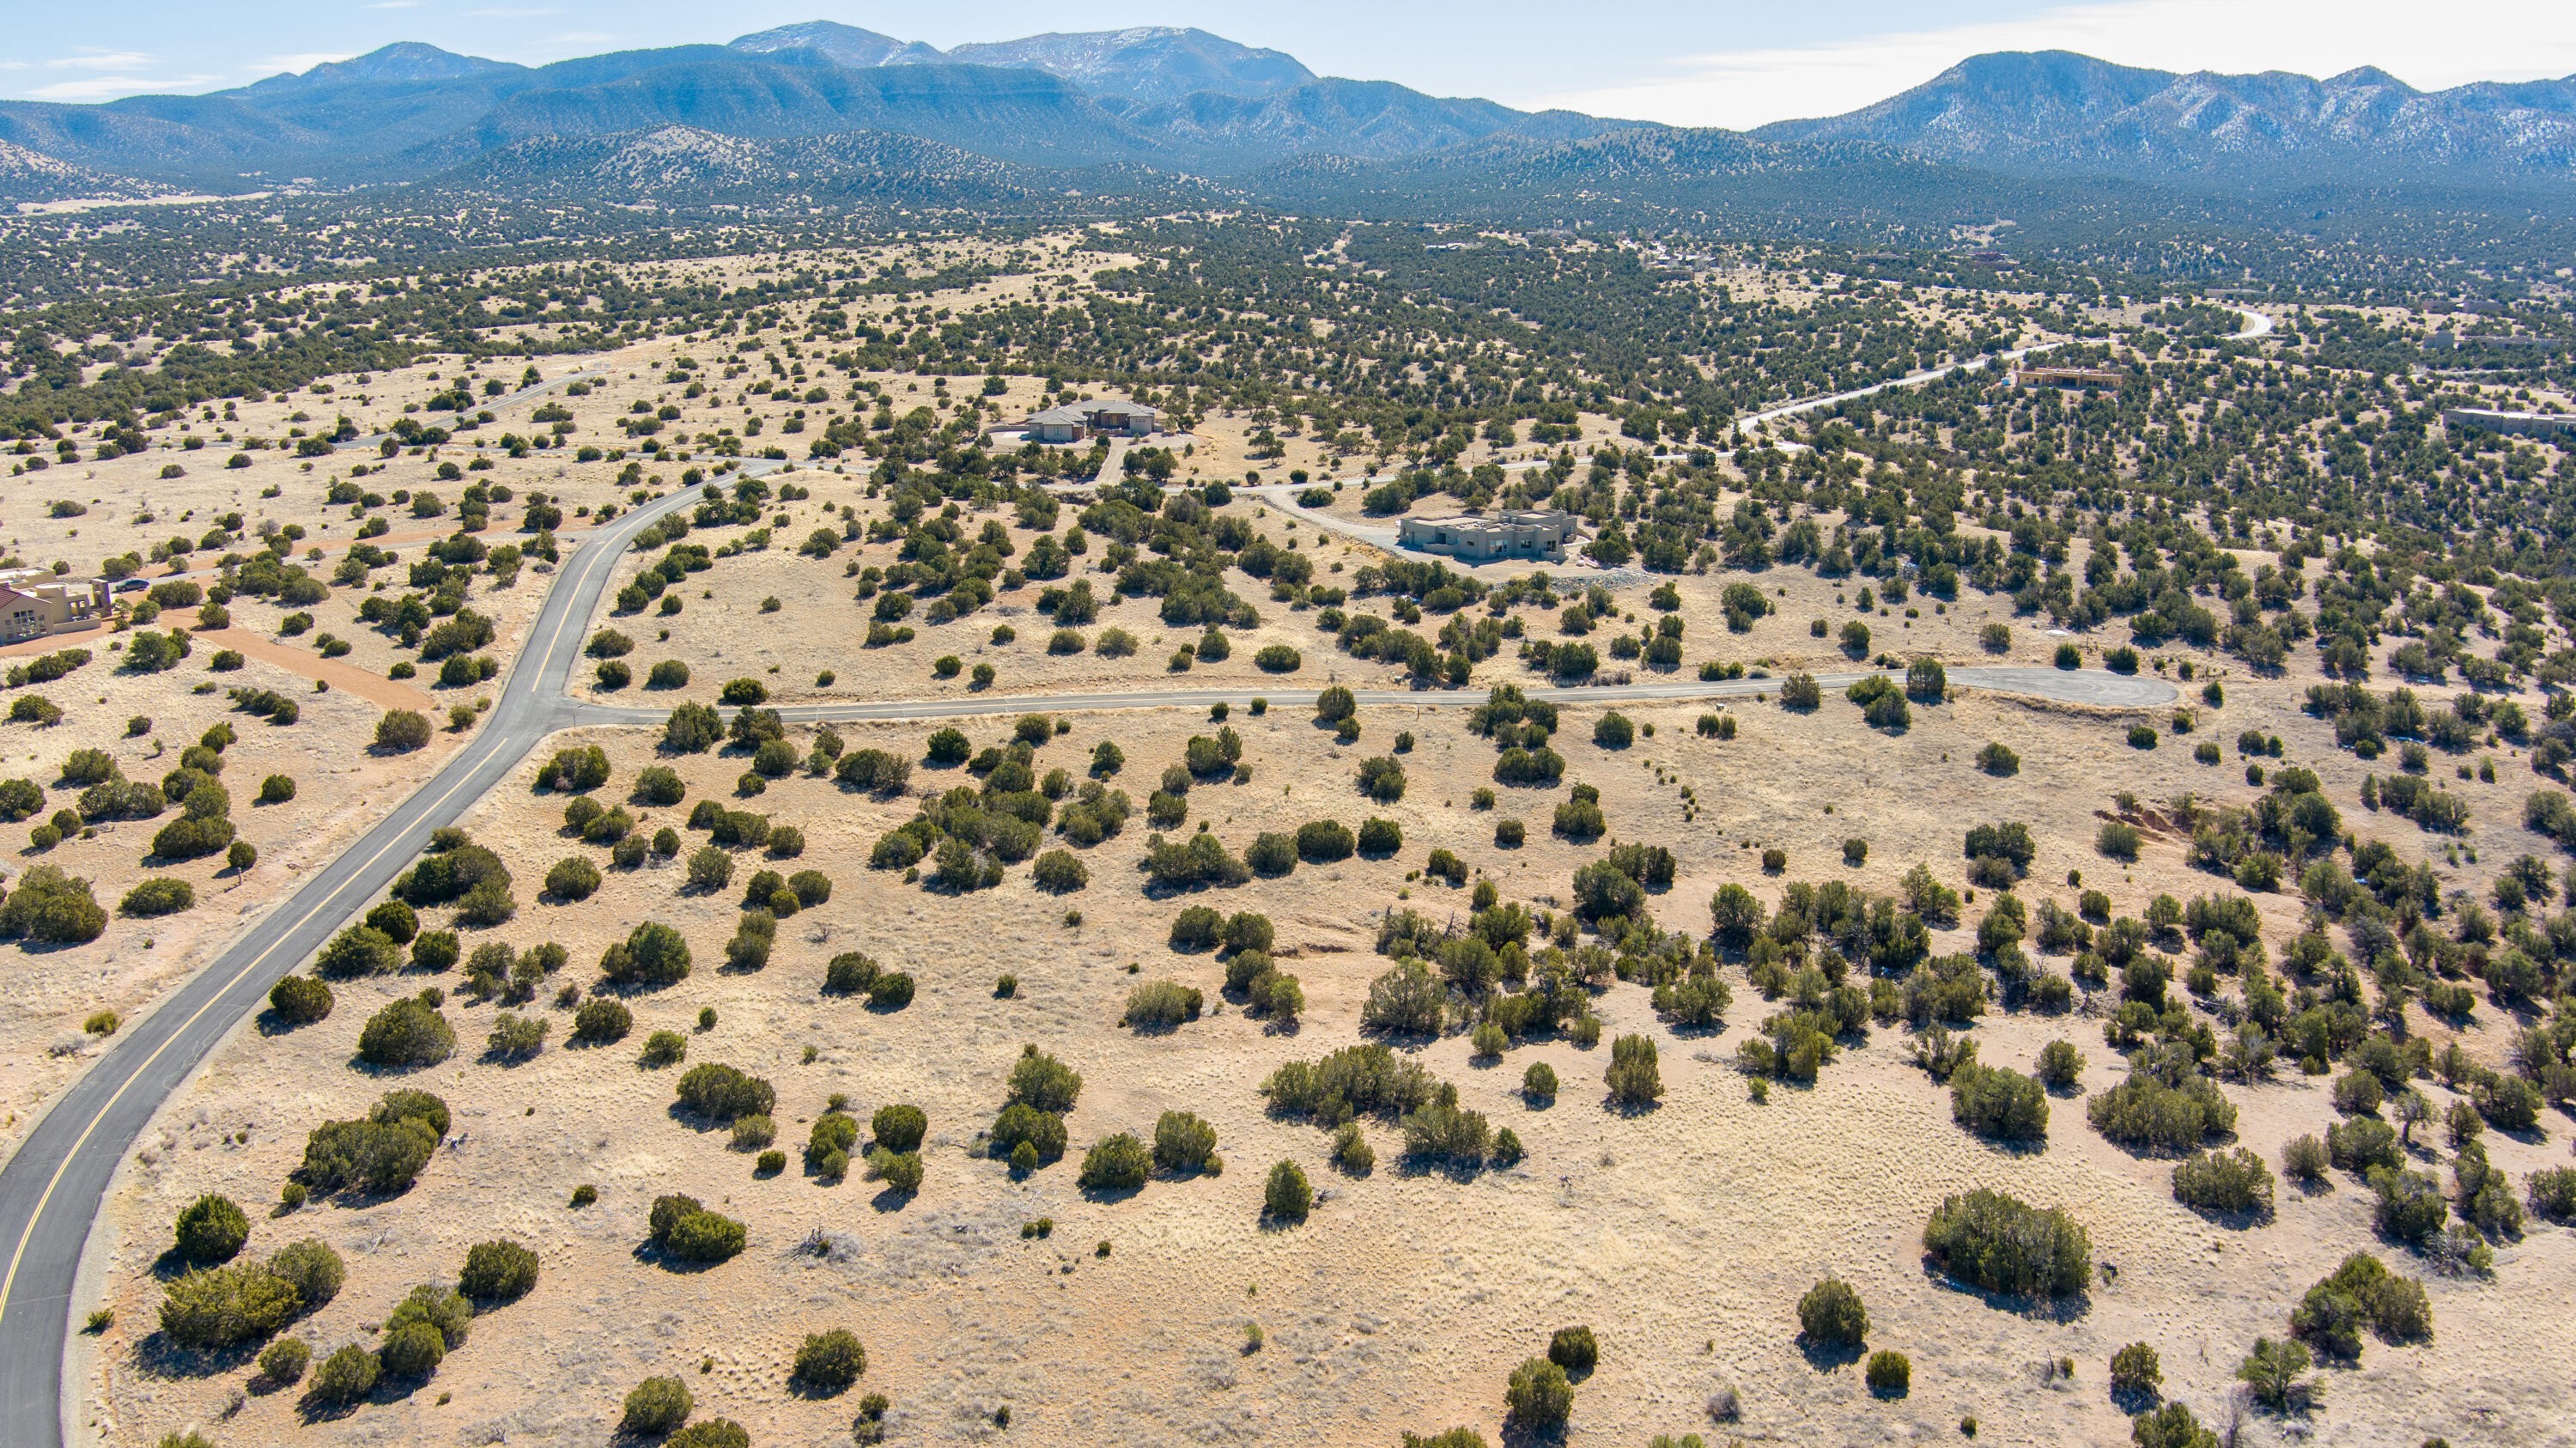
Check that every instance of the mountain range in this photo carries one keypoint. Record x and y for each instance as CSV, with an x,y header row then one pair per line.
x,y
822,111
2058,113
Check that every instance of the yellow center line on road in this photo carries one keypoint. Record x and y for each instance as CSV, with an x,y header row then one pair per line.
x,y
19,1252
465,776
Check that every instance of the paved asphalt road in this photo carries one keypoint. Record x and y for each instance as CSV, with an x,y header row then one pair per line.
x,y
52,1188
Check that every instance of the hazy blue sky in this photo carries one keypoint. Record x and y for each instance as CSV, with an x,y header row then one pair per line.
x,y
1721,62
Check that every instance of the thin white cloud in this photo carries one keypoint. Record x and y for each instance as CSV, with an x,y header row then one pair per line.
x,y
110,87
2426,46
102,60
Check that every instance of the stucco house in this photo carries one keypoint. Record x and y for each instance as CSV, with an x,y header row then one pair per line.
x,y
1475,538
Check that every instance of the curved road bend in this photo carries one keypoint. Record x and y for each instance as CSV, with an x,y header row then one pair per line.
x,y
52,1188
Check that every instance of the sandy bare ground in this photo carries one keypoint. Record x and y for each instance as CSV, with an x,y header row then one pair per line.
x,y
376,689
1683,1236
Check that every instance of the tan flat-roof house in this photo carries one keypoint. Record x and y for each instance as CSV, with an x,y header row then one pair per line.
x,y
1476,538
34,603
1075,421
2559,427
2067,377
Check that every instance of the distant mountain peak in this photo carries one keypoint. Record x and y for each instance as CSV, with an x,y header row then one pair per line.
x,y
843,44
2370,76
403,62
1147,62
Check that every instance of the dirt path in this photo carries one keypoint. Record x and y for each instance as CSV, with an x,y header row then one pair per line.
x,y
88,638
386,693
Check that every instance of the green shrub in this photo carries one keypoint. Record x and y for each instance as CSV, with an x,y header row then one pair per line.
x,y
2362,1294
1322,842
1115,1163
2060,1064
2147,1111
601,1022
1831,1314
345,1376
711,1433
849,973
833,1134
898,1127
1575,1350
219,1307
2224,1181
2004,1245
402,731
1058,872
663,1048
299,1000
283,1362
2363,1144
687,1231
1634,1077
710,869
1271,853
158,896
312,1269
498,1271
2410,1206
1538,1398
1998,1102
51,908
1041,1081
411,1350
1287,1197
408,1033
434,950
1407,999
1161,1005
655,1406
2552,1193
720,1093
1197,927
572,878
394,920
890,991
2134,1370
1020,1125
380,1153
211,1230
1183,1142
651,954
829,1362
1889,1372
